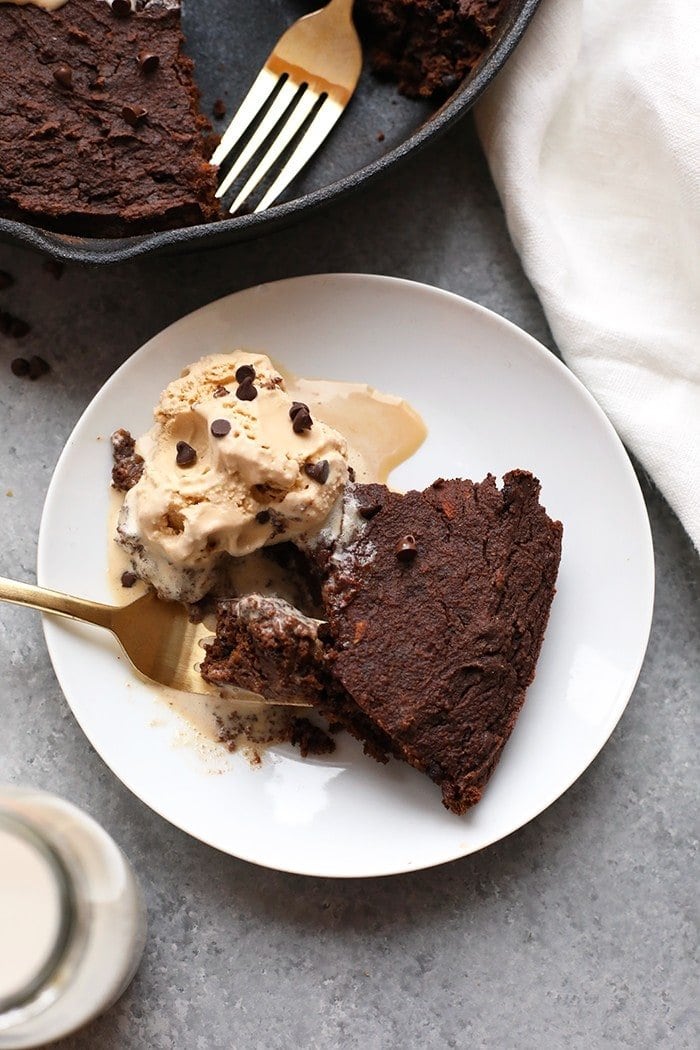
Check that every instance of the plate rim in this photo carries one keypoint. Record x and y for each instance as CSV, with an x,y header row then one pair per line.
x,y
535,347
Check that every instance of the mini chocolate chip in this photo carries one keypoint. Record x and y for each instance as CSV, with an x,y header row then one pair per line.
x,y
186,455
221,391
20,366
134,115
245,372
63,75
318,471
121,8
129,579
6,279
262,517
301,421
351,474
369,512
148,61
297,406
246,391
38,367
15,326
406,548
220,428
219,109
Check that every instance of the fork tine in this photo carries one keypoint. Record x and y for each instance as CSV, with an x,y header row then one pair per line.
x,y
319,128
261,89
286,133
275,112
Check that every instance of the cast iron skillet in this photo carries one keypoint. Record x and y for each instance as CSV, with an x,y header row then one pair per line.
x,y
229,41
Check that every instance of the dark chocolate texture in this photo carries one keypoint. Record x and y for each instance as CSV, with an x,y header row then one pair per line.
x,y
427,46
71,160
426,659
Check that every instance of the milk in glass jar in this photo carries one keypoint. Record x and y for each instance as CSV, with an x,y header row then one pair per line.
x,y
72,919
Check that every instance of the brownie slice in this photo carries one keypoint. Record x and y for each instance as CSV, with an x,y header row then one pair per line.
x,y
99,123
435,614
268,647
428,46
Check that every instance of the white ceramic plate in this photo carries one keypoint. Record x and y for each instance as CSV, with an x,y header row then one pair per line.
x,y
493,399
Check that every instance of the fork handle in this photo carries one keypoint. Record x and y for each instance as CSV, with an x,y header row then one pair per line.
x,y
55,602
339,5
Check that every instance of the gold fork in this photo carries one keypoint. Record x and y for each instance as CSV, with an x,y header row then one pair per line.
x,y
156,636
312,73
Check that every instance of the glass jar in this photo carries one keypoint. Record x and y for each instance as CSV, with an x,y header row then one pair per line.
x,y
72,919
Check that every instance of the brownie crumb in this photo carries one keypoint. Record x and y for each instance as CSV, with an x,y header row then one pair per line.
x,y
427,46
128,465
129,579
311,739
219,109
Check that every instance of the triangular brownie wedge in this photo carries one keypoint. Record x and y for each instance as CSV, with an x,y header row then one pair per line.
x,y
435,605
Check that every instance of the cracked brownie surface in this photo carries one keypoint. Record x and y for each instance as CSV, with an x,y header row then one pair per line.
x,y
434,620
100,133
438,650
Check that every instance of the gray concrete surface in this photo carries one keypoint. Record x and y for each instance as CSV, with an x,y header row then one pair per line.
x,y
576,932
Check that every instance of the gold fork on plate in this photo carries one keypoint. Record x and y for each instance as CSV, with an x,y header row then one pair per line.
x,y
157,637
299,94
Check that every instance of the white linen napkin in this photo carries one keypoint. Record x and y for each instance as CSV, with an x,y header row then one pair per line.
x,y
592,133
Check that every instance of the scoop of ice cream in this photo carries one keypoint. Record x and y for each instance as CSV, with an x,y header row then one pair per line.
x,y
231,465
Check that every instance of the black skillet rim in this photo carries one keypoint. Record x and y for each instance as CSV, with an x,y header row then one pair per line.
x,y
228,231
